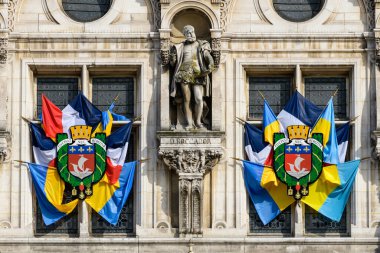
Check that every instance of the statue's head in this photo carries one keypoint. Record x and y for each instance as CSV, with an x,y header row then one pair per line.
x,y
189,33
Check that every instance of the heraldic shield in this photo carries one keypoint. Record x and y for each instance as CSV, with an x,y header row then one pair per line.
x,y
298,160
82,159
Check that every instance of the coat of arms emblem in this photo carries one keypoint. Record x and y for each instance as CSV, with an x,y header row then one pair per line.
x,y
82,159
298,160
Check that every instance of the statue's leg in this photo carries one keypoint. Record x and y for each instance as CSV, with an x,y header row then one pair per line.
x,y
198,107
186,93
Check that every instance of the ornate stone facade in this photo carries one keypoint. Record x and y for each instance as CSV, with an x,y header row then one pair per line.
x,y
187,196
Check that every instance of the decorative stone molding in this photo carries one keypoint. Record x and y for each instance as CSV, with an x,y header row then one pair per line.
x,y
4,147
191,155
216,1
165,1
165,46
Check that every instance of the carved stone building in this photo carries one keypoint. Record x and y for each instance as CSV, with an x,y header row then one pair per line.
x,y
190,195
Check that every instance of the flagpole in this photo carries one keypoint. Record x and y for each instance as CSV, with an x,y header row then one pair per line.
x,y
352,121
116,97
27,120
237,159
335,92
241,121
137,118
20,161
262,95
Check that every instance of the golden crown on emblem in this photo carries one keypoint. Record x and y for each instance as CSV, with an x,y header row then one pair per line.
x,y
81,132
298,132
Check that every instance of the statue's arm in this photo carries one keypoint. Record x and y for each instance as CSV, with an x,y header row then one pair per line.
x,y
173,56
206,48
209,60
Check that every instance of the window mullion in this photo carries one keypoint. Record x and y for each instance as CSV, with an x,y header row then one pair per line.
x,y
85,82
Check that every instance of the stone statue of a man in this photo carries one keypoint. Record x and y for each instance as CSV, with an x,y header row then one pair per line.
x,y
192,62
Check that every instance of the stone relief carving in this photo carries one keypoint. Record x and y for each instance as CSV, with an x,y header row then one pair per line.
x,y
225,7
12,6
3,50
184,189
190,160
370,9
164,52
196,193
156,6
216,46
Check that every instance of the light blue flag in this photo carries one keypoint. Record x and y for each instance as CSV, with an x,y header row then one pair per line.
x,y
326,125
336,201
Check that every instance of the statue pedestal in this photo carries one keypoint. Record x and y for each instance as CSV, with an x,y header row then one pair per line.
x,y
191,155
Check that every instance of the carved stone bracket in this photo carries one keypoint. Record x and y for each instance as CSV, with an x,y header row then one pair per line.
x,y
165,46
190,155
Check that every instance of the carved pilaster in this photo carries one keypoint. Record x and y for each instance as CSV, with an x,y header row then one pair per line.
x,y
184,204
196,191
190,155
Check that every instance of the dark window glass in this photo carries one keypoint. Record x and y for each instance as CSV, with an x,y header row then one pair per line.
x,y
275,89
281,224
86,10
316,223
298,10
60,90
66,225
125,222
320,89
105,89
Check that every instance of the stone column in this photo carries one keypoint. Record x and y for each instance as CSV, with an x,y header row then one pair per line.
x,y
191,155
